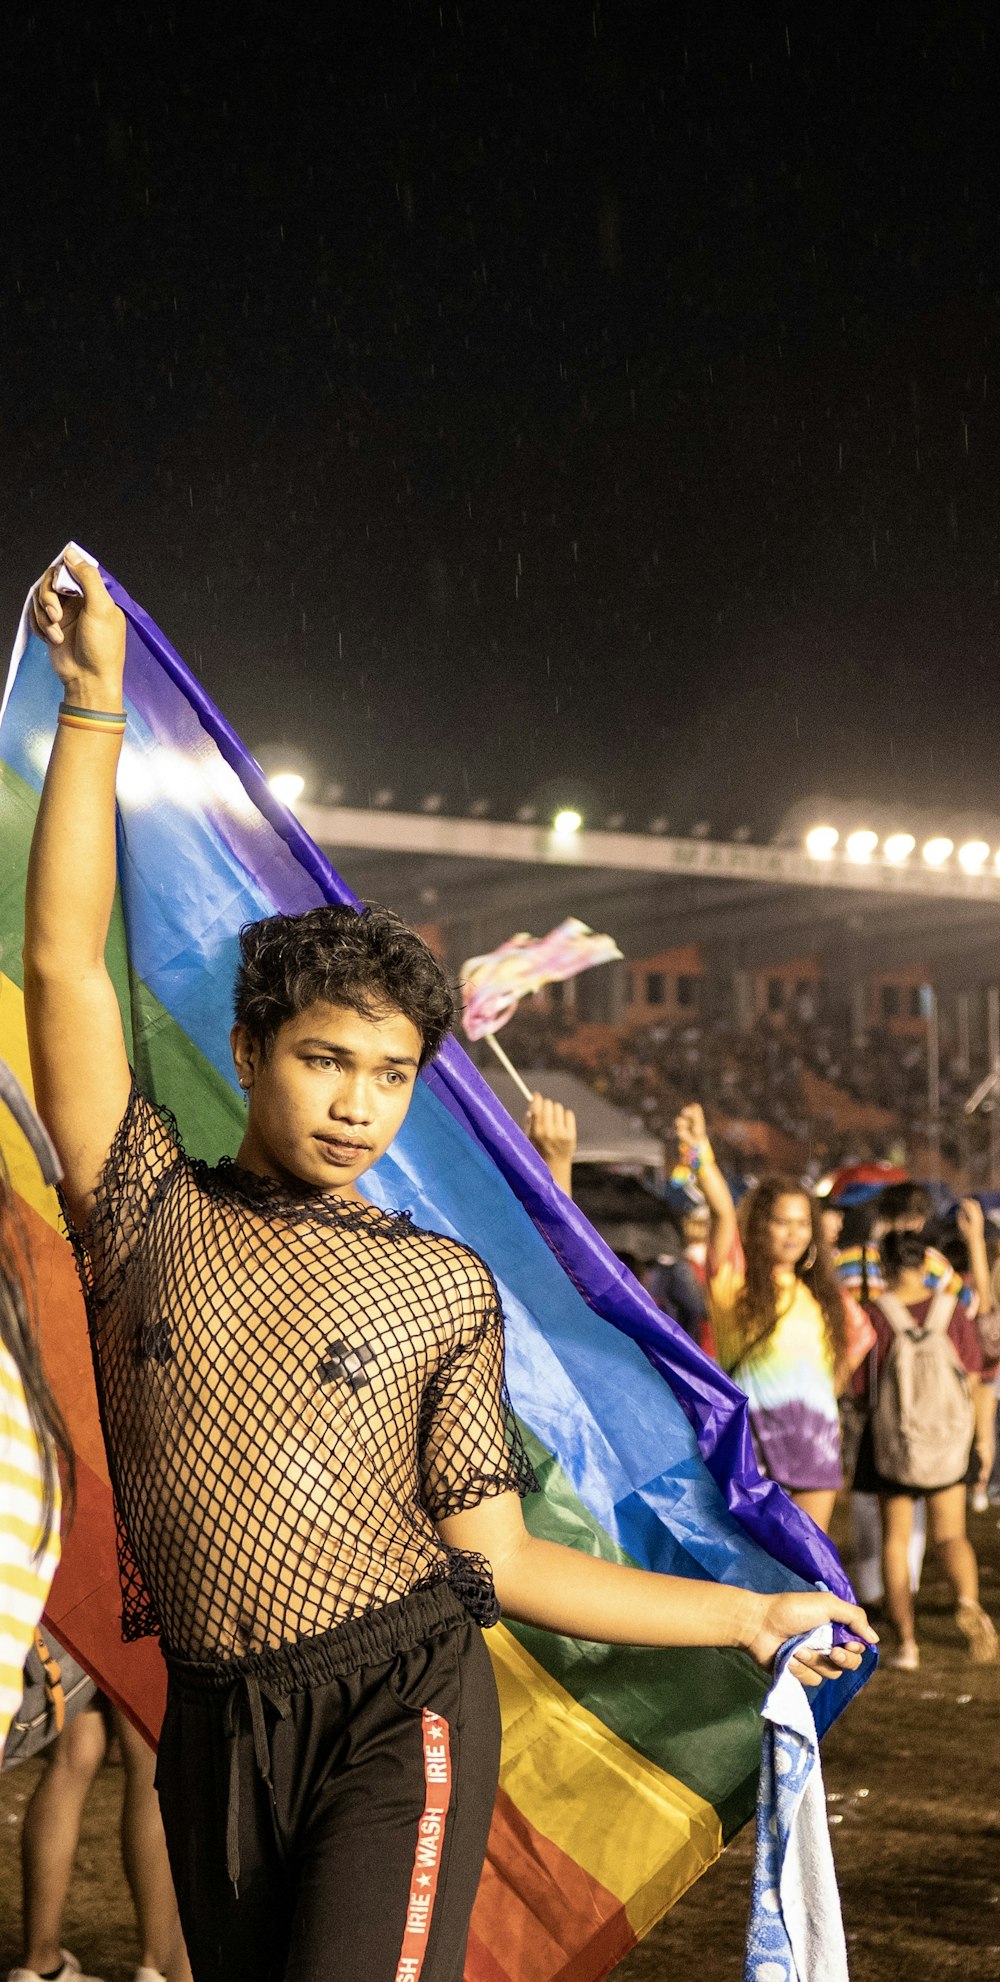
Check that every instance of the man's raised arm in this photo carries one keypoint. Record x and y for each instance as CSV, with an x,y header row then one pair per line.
x,y
78,1057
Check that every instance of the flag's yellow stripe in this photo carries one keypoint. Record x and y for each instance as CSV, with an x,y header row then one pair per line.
x,y
636,1830
24,1172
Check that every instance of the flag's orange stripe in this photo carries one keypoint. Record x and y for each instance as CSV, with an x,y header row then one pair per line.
x,y
65,1343
537,1910
84,1611
84,1607
481,1965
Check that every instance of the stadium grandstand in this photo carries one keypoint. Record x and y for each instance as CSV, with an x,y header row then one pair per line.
x,y
832,995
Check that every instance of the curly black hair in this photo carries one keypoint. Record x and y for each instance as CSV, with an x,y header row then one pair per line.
x,y
906,1200
367,960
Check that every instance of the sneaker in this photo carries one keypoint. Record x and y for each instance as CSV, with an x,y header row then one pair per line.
x,y
907,1659
69,1972
980,1501
978,1628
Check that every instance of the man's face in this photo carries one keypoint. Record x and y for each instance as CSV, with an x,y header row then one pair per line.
x,y
330,1096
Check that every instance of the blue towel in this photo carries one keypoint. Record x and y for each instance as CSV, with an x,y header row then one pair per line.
x,y
795,1932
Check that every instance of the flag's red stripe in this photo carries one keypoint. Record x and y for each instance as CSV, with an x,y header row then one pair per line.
x,y
430,1846
84,1611
63,1327
539,1915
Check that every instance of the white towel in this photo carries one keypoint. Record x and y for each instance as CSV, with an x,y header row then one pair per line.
x,y
795,1932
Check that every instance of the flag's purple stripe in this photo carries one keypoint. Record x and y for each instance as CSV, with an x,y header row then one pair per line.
x,y
254,855
250,840
715,1408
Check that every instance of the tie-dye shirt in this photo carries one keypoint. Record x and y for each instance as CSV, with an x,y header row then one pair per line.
x,y
790,1379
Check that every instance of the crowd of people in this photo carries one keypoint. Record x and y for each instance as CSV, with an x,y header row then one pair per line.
x,y
869,1355
758,1075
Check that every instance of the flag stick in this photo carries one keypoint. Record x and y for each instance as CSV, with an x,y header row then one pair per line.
x,y
508,1065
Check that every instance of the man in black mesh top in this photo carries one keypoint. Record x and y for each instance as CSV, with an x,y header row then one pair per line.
x,y
316,1475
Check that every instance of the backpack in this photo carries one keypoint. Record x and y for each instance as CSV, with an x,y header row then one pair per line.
x,y
924,1418
55,1690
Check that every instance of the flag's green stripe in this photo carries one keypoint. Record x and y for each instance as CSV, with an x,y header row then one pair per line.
x,y
168,1064
695,1713
166,1061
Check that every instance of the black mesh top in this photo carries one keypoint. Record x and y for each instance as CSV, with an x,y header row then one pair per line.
x,y
293,1390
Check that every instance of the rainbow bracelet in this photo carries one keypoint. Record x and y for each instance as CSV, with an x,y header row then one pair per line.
x,y
691,1157
112,723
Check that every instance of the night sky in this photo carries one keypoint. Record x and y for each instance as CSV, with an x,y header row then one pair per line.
x,y
517,402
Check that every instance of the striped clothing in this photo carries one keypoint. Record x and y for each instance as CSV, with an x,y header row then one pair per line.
x,y
938,1274
25,1577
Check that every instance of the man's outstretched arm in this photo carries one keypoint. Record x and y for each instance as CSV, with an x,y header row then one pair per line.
x,y
78,1059
561,1589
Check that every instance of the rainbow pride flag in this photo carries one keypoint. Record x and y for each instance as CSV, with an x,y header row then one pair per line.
x,y
624,1772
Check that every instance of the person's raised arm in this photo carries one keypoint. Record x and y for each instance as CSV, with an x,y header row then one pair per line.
x,y
78,1059
972,1226
692,1135
552,1130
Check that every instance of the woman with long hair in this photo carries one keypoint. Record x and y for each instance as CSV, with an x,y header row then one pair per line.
x,y
33,1440
784,1329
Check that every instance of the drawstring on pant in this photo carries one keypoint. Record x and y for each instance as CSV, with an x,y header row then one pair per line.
x,y
280,1671
256,1691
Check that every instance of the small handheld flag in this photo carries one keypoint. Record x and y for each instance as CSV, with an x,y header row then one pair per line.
x,y
493,985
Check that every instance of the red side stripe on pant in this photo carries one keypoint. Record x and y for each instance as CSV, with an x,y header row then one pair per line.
x,y
430,1844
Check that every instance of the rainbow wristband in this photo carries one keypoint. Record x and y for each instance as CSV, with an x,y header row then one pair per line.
x,y
692,1156
111,722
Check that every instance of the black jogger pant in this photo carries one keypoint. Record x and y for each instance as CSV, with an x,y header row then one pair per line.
x,y
327,1805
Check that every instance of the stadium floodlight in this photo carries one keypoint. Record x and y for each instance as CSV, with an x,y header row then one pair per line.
x,y
898,847
288,786
820,842
861,845
566,823
973,856
937,851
